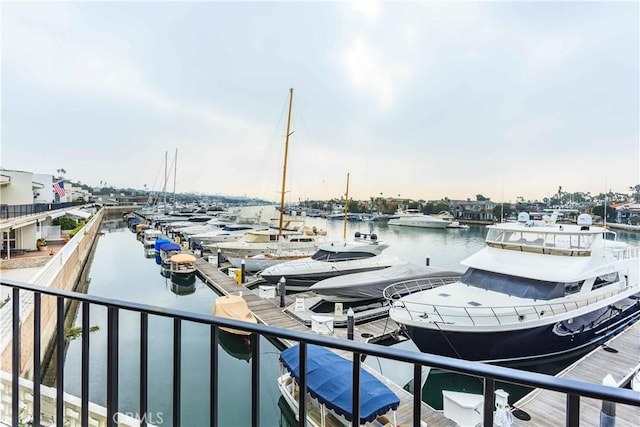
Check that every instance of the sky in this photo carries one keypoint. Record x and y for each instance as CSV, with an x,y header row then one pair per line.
x,y
422,100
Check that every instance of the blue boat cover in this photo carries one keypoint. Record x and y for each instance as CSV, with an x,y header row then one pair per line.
x,y
160,241
329,379
170,246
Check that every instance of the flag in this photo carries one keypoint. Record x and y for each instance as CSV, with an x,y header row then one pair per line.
x,y
58,187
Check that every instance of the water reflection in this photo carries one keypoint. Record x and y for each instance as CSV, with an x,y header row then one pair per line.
x,y
237,346
183,288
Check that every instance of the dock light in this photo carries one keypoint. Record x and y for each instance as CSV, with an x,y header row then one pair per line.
x,y
219,257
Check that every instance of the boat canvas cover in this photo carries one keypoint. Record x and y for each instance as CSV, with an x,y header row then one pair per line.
x,y
160,241
371,284
329,381
183,259
170,246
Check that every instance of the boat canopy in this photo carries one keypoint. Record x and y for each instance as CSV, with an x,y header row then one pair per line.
x,y
183,258
170,246
329,380
159,242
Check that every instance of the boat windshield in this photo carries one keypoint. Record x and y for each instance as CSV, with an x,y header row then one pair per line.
x,y
520,287
328,256
559,243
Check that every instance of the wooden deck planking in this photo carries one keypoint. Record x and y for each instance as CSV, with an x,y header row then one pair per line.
x,y
548,407
267,311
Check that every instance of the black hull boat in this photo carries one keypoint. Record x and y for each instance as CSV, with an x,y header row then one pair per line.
x,y
533,344
537,290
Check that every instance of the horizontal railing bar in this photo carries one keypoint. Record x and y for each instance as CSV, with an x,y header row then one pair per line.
x,y
478,369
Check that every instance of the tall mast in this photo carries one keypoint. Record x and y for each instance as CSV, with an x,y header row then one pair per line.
x,y
164,188
175,170
346,209
284,170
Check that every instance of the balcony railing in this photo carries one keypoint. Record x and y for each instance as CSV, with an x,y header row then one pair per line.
x,y
14,211
573,390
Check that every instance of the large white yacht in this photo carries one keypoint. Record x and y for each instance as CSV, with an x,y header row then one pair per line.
x,y
538,289
332,259
415,218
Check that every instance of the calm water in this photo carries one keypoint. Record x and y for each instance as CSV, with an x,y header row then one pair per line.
x,y
120,271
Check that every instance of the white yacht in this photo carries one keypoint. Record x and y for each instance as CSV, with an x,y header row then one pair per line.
x,y
270,241
415,218
538,289
332,259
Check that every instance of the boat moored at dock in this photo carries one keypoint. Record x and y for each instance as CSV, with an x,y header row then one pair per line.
x,y
537,290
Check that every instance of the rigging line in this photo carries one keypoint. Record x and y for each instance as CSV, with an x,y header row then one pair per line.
x,y
447,340
308,135
259,178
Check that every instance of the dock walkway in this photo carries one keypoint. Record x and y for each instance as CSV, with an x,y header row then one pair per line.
x,y
547,407
268,312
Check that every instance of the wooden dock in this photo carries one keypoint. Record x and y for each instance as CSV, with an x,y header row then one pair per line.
x,y
548,407
545,407
268,312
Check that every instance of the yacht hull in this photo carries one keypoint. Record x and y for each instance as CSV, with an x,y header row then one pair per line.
x,y
534,343
304,281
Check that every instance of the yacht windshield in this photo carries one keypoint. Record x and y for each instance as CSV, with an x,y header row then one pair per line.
x,y
328,256
521,287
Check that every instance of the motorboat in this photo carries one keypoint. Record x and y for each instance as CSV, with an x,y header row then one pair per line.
x,y
149,237
167,250
182,268
271,241
369,285
364,253
233,307
229,233
453,223
330,390
262,261
536,290
415,218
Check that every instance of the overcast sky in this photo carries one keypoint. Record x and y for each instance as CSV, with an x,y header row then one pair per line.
x,y
423,99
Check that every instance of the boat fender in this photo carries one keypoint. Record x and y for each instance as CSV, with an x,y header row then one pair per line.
x,y
357,235
373,236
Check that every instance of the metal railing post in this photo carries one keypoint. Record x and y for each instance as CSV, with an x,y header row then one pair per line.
x,y
573,410
112,366
489,401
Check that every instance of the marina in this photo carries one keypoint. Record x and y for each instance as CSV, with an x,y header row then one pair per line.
x,y
267,311
293,314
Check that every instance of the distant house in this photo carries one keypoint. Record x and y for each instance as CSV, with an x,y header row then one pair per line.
x,y
625,211
474,209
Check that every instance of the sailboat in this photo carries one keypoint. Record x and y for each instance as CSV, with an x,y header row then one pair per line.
x,y
260,249
362,254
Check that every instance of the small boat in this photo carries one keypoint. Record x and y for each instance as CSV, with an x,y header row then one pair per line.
x,y
451,219
329,387
149,237
233,307
182,268
332,259
369,285
167,250
536,290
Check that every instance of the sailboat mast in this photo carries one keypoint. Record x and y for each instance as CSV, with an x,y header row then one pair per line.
x,y
346,209
164,188
175,170
284,169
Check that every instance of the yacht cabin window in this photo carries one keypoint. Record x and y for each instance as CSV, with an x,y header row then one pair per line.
x,y
322,255
605,280
520,287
